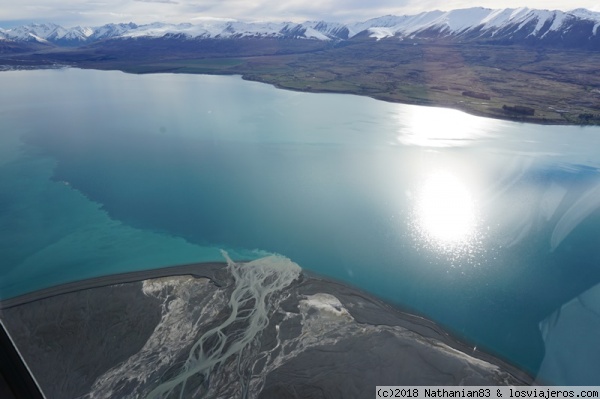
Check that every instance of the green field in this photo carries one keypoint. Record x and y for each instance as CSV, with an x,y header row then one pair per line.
x,y
560,86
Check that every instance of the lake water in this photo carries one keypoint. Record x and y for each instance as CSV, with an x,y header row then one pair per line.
x,y
488,227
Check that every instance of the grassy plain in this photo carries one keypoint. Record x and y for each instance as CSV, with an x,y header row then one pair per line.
x,y
562,86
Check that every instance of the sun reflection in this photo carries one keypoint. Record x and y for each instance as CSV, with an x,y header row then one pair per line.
x,y
445,212
440,127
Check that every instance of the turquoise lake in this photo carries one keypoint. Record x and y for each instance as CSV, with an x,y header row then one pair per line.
x,y
490,228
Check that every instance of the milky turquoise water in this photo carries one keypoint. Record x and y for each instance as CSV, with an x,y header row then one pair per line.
x,y
485,226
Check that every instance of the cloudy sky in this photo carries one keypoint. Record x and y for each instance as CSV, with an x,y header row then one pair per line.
x,y
97,12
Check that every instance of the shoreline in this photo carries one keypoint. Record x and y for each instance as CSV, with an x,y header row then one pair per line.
x,y
509,82
250,78
495,114
368,311
208,270
533,121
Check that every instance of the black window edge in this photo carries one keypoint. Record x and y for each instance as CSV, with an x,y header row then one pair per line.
x,y
16,378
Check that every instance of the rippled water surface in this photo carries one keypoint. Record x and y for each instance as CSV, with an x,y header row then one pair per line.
x,y
488,227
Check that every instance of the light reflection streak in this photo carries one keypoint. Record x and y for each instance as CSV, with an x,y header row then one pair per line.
x,y
440,127
582,208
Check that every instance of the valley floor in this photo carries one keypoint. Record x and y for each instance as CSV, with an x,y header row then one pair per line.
x,y
527,84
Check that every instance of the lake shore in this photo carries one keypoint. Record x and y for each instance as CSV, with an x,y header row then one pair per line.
x,y
141,312
492,114
546,86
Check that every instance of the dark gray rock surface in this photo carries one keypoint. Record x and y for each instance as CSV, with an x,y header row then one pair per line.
x,y
262,329
69,340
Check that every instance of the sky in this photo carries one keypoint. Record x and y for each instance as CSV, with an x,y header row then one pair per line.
x,y
70,13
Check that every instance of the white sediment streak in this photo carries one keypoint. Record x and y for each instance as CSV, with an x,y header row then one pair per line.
x,y
250,303
325,322
224,342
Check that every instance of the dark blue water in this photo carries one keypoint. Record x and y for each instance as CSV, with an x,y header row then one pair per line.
x,y
487,227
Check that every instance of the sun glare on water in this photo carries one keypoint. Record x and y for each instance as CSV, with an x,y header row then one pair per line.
x,y
440,127
445,211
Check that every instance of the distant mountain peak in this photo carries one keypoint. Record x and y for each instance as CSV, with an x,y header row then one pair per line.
x,y
509,25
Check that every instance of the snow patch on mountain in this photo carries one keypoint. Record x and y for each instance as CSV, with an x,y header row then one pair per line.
x,y
469,22
463,21
380,33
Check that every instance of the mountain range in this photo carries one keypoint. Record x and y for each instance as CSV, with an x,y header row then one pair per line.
x,y
579,28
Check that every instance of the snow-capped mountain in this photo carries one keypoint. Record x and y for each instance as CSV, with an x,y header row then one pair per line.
x,y
52,33
484,23
47,33
521,25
